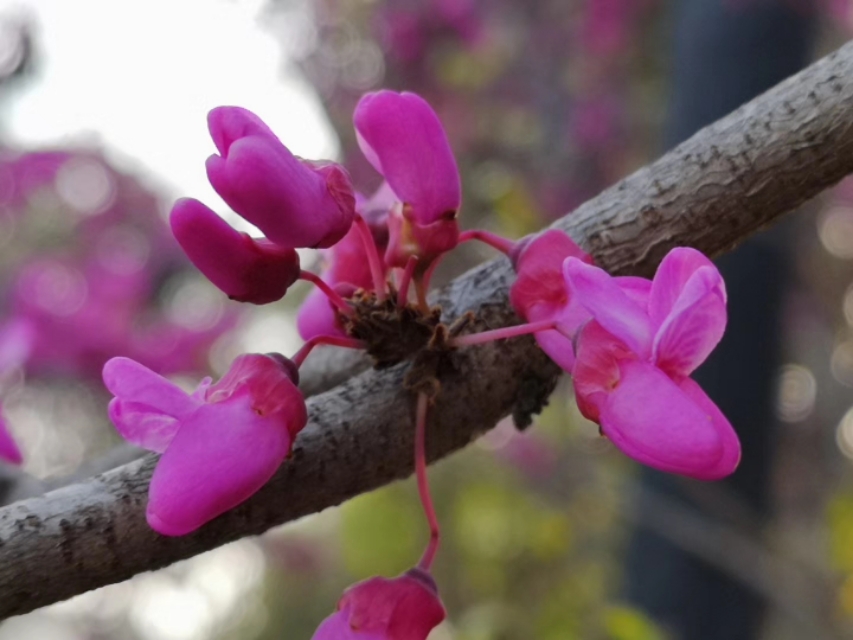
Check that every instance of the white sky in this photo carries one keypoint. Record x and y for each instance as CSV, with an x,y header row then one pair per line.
x,y
141,75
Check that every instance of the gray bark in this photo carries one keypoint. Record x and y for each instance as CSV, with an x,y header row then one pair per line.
x,y
711,192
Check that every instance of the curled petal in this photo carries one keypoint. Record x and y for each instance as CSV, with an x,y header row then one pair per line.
x,y
730,458
402,137
653,420
227,124
140,425
609,305
694,326
672,275
246,269
293,203
221,455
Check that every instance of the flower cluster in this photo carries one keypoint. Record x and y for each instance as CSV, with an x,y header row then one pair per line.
x,y
629,343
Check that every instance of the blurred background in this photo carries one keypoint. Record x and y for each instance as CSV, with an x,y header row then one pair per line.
x,y
548,534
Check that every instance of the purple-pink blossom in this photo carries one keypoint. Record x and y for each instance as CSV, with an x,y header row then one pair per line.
x,y
402,137
634,359
220,444
403,608
295,203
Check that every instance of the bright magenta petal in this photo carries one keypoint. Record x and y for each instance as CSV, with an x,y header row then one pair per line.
x,y
140,425
128,380
731,444
337,627
609,305
222,454
402,137
655,422
246,269
636,288
694,326
317,317
672,275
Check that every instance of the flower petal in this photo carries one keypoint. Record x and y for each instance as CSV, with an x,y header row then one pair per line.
x,y
601,294
246,269
227,124
402,137
317,317
337,627
128,380
730,458
222,454
540,288
672,275
694,326
141,426
654,421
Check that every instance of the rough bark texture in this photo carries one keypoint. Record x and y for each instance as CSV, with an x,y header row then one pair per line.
x,y
729,180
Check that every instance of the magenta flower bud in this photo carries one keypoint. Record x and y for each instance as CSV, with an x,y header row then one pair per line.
x,y
293,202
245,268
402,137
220,444
402,608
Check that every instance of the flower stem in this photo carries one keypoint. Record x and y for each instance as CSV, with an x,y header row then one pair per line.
x,y
423,485
405,280
500,334
492,239
335,341
333,296
373,258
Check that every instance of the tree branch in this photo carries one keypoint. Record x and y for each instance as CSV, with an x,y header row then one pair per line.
x,y
711,192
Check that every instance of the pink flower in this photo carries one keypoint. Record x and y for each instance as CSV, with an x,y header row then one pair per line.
x,y
246,269
403,608
540,293
402,137
634,359
220,444
295,203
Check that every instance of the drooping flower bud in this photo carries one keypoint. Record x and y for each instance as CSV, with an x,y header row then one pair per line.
x,y
246,269
402,608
